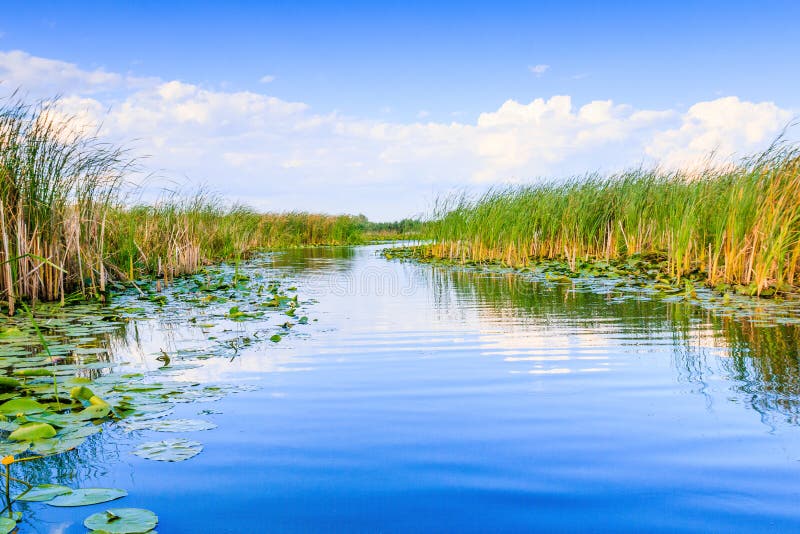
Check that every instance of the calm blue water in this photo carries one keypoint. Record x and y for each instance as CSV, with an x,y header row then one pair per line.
x,y
429,400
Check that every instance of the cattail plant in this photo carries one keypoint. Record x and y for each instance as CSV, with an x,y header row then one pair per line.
x,y
736,225
56,186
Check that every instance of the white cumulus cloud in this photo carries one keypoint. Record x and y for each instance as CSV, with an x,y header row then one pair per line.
x,y
726,126
278,154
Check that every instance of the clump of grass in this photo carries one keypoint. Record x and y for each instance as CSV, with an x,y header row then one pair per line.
x,y
178,234
404,229
64,225
56,186
736,226
301,228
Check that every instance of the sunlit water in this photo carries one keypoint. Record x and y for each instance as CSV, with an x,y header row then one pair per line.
x,y
426,399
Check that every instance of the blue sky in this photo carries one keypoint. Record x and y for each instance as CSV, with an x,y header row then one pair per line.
x,y
359,101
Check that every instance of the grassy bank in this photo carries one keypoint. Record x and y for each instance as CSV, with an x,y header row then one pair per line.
x,y
405,229
177,236
735,227
65,228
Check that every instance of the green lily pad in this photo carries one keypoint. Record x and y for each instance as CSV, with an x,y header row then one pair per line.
x,y
275,338
122,521
10,333
33,431
169,450
87,496
48,447
198,395
171,425
23,405
12,449
61,420
44,492
75,432
8,383
82,393
8,426
94,412
156,408
33,372
7,525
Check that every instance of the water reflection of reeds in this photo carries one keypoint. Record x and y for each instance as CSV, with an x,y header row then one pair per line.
x,y
313,260
761,363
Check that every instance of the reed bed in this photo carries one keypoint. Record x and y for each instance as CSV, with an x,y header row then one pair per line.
x,y
65,227
178,235
736,226
402,230
56,186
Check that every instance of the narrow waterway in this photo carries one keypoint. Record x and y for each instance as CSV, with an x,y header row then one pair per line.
x,y
426,399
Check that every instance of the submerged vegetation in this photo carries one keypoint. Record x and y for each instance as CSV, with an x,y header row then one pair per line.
x,y
732,229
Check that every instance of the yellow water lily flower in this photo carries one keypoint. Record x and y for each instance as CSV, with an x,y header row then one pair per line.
x,y
7,460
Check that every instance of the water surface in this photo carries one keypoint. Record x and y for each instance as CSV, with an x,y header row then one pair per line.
x,y
430,399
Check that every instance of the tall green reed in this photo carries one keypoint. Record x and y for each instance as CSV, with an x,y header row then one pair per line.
x,y
56,186
737,225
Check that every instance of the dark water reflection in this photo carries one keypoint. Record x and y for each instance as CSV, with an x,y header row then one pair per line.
x,y
437,400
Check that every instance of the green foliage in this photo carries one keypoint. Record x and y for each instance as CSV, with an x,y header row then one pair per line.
x,y
738,226
44,492
179,234
56,186
33,431
122,521
87,496
66,227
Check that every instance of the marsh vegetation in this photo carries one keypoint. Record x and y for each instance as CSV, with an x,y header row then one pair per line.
x,y
67,223
734,228
615,262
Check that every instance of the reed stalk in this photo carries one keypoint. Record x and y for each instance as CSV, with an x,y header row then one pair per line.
x,y
734,226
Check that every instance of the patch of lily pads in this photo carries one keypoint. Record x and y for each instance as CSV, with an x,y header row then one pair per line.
x,y
111,521
61,383
638,277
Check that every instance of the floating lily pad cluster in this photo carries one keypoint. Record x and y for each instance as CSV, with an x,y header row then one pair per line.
x,y
114,520
59,381
218,296
641,276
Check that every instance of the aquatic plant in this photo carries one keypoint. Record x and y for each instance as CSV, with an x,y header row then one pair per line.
x,y
66,227
58,395
735,227
56,185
